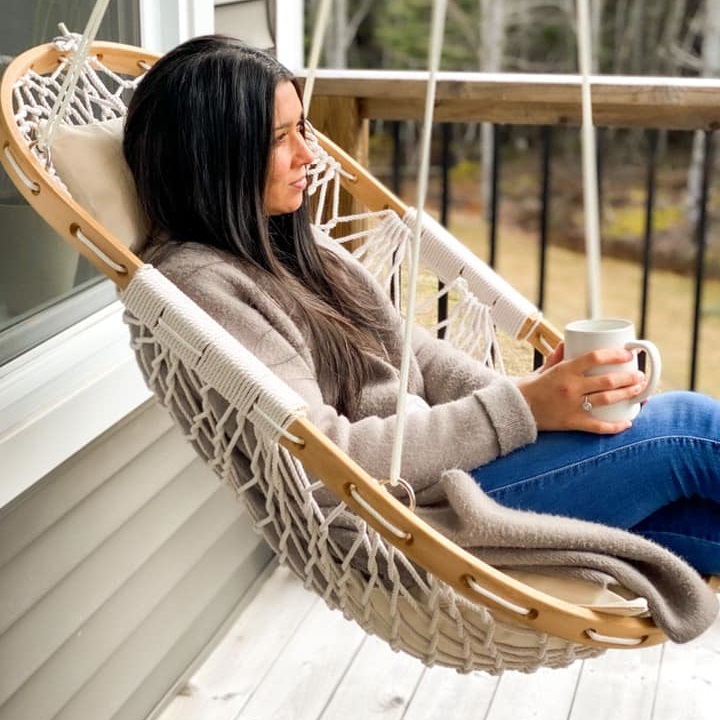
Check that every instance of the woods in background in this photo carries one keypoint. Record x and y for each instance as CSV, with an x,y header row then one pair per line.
x,y
631,37
676,38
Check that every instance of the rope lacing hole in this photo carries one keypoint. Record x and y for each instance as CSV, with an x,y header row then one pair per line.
x,y
353,491
611,640
528,613
26,181
90,245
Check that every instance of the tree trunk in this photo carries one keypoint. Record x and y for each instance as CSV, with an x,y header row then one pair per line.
x,y
336,41
492,33
710,68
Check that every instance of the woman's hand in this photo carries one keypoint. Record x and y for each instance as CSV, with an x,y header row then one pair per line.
x,y
556,392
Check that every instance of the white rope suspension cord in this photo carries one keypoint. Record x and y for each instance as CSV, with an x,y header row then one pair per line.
x,y
70,81
589,162
436,38
321,24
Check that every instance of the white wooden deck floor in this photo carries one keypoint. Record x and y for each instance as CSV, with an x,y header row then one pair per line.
x,y
288,657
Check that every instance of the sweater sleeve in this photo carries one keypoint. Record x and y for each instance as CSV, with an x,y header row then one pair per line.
x,y
464,433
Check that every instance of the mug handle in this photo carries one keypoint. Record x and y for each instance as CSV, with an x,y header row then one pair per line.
x,y
653,378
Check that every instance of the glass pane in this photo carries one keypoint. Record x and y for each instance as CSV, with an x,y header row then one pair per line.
x,y
45,286
250,20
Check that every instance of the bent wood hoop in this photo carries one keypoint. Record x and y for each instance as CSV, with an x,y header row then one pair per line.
x,y
32,179
471,578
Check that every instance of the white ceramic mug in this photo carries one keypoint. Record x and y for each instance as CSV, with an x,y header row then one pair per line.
x,y
583,336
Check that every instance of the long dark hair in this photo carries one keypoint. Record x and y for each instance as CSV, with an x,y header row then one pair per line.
x,y
198,141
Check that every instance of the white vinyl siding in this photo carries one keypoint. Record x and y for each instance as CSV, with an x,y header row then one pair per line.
x,y
115,572
121,556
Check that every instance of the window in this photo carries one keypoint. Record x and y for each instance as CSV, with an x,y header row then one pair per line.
x,y
251,20
45,286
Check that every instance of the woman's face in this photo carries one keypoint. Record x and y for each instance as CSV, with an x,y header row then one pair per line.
x,y
289,156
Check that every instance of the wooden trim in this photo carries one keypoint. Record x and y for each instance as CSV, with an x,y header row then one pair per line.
x,y
524,99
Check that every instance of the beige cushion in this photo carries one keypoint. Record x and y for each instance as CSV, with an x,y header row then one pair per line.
x,y
90,162
610,599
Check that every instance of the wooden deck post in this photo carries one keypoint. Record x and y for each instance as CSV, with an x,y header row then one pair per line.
x,y
340,119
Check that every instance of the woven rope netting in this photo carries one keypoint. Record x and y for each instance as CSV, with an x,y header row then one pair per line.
x,y
234,411
100,94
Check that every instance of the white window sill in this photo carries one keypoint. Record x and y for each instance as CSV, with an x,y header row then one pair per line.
x,y
60,396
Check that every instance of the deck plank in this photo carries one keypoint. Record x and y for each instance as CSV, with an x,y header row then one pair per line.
x,y
618,684
689,683
379,680
288,657
303,678
446,694
226,681
546,694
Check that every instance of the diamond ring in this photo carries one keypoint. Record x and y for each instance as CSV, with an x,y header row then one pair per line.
x,y
586,404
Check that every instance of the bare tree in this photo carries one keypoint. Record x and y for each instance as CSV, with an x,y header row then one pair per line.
x,y
336,41
344,30
709,67
492,47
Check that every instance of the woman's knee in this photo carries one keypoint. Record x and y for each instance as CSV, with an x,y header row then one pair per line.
x,y
682,413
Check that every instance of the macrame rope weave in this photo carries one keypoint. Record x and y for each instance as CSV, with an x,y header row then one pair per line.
x,y
67,90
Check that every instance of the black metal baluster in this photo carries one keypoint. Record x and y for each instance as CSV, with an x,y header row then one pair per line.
x,y
494,196
650,191
396,162
701,247
446,156
546,140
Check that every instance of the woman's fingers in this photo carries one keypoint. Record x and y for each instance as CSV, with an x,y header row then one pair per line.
x,y
595,359
554,358
603,427
609,397
560,395
614,383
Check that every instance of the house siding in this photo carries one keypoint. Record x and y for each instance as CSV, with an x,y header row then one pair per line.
x,y
116,571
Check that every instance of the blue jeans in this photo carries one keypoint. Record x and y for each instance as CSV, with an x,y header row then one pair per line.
x,y
660,478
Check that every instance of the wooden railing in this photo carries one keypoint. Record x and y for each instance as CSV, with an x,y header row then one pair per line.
x,y
521,99
345,101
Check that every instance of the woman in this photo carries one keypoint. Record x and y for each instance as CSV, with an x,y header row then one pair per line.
x,y
214,138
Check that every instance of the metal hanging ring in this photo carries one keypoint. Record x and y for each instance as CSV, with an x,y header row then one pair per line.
x,y
412,504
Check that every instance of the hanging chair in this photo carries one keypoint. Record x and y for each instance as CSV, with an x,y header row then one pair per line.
x,y
398,577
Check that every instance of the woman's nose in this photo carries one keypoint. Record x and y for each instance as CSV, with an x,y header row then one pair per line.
x,y
303,152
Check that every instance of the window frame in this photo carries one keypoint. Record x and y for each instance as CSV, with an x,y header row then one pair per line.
x,y
60,395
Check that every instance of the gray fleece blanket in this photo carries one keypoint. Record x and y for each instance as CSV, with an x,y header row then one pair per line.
x,y
680,601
